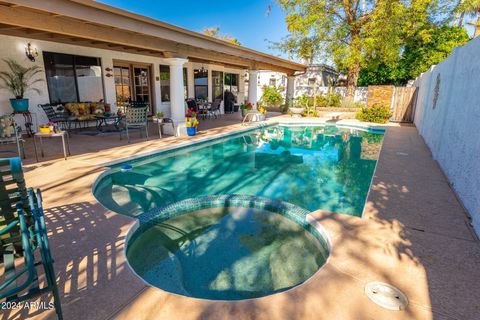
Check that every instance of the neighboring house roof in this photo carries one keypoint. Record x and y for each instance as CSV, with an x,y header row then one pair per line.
x,y
93,24
322,67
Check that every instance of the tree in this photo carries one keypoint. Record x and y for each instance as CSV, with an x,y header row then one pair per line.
x,y
352,31
428,47
469,7
215,32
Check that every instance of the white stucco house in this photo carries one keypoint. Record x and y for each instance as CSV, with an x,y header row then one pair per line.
x,y
315,75
91,51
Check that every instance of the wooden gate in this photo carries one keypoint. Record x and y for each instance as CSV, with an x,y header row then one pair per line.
x,y
403,104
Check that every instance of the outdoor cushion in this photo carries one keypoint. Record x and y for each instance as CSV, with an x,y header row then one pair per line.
x,y
84,111
78,109
97,108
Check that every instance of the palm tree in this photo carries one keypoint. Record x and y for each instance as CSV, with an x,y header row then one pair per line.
x,y
469,7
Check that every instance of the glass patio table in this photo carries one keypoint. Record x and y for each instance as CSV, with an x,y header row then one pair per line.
x,y
104,121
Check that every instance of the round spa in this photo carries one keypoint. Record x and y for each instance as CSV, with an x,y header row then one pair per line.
x,y
227,247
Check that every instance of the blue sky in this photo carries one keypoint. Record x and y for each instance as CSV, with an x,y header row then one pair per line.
x,y
246,19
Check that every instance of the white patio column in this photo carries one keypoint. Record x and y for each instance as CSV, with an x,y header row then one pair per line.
x,y
290,90
252,87
190,81
177,101
210,84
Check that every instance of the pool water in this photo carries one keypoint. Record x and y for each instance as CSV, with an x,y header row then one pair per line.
x,y
314,167
226,253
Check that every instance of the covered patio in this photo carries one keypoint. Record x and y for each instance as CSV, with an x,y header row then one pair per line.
x,y
95,52
82,142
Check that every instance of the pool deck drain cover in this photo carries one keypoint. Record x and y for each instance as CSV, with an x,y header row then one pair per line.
x,y
386,296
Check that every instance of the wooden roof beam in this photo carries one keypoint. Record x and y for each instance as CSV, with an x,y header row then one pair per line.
x,y
112,17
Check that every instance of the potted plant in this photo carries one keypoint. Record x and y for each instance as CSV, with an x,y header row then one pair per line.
x,y
158,117
18,80
191,122
246,107
299,105
47,128
263,112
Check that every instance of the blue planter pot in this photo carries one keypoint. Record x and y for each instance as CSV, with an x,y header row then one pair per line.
x,y
191,131
20,105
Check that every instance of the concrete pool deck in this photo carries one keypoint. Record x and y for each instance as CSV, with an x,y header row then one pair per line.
x,y
414,234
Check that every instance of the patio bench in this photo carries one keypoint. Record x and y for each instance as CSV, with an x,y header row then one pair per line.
x,y
80,114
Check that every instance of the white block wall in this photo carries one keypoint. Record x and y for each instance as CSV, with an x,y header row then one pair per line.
x,y
452,129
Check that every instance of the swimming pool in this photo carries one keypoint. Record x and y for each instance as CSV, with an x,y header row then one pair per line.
x,y
314,167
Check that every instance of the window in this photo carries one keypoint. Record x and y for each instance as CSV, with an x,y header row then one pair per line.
x,y
141,84
200,78
185,83
122,85
273,82
165,83
231,83
73,78
217,83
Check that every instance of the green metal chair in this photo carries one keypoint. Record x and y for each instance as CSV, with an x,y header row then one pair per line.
x,y
136,117
12,190
27,228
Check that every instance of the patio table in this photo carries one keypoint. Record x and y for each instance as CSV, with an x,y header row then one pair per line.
x,y
58,134
106,120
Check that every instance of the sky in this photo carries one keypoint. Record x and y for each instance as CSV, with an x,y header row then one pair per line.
x,y
246,20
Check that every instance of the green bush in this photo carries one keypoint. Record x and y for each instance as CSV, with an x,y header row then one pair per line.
x,y
329,100
375,113
272,96
351,104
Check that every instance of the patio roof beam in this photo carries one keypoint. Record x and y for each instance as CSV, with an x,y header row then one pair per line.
x,y
91,19
112,39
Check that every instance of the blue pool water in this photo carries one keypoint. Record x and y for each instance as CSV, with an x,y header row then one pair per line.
x,y
226,253
313,167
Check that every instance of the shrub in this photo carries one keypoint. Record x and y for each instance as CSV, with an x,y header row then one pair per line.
x,y
272,96
304,101
351,104
375,113
329,100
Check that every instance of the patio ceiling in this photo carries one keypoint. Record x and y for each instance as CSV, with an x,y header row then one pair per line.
x,y
92,24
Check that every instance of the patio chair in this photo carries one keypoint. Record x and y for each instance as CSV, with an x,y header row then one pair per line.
x,y
63,120
10,133
214,110
22,233
12,190
192,104
136,117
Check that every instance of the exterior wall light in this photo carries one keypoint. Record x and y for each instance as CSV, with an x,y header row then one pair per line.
x,y
31,52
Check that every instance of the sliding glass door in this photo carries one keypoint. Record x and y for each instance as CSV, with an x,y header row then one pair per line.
x,y
217,85
201,83
232,83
